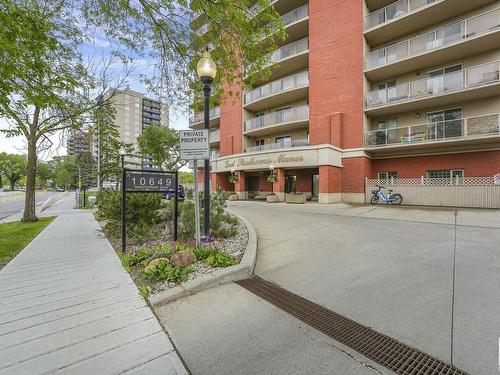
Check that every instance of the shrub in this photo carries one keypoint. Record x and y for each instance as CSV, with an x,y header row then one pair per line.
x,y
141,214
164,271
186,220
220,259
202,253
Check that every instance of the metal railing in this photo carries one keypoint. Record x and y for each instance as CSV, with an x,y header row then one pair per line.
x,y
256,8
463,128
202,29
198,117
440,37
299,113
290,49
291,82
279,145
395,10
460,80
295,15
214,155
214,135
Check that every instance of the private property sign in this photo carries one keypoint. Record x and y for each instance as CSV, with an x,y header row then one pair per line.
x,y
496,179
194,144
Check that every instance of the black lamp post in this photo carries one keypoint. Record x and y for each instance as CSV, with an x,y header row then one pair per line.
x,y
123,213
207,70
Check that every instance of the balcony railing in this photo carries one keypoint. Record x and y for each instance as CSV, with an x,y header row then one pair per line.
x,y
393,11
214,155
471,127
290,49
256,8
214,112
460,80
279,145
214,135
441,37
300,113
295,15
292,82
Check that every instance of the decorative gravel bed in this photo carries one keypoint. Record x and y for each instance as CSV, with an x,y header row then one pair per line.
x,y
234,246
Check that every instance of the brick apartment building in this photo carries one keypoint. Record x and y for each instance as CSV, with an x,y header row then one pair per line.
x,y
365,89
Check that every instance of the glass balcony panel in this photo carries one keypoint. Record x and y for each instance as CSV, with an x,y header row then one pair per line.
x,y
300,113
415,4
376,58
375,18
376,98
397,9
483,23
483,125
398,93
287,83
278,145
483,74
396,52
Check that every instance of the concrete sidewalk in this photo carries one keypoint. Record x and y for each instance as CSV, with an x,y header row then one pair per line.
x,y
68,307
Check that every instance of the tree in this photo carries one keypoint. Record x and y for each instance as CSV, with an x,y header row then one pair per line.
x,y
186,177
43,174
13,167
106,133
45,85
162,144
86,169
65,171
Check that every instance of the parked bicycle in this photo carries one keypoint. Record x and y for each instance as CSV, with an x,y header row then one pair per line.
x,y
390,198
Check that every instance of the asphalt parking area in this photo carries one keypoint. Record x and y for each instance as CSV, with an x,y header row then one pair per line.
x,y
427,277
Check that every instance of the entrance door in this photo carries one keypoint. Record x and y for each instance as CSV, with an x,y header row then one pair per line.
x,y
290,184
315,185
252,186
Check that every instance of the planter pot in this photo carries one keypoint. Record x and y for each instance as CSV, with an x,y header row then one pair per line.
x,y
271,199
233,197
296,198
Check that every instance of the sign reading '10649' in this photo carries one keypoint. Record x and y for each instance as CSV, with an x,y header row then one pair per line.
x,y
144,181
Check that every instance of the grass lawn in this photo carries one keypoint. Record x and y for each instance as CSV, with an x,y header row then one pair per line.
x,y
16,235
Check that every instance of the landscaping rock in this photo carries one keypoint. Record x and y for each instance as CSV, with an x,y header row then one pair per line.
x,y
272,199
233,197
154,262
183,258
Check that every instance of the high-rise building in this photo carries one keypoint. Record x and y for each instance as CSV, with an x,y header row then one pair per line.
x,y
365,89
134,113
78,143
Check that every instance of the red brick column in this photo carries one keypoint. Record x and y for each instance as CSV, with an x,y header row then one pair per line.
x,y
240,185
330,184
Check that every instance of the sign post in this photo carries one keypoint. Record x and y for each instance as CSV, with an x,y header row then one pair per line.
x,y
195,146
138,181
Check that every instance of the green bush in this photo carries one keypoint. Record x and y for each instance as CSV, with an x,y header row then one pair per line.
x,y
220,259
141,213
165,271
186,220
202,253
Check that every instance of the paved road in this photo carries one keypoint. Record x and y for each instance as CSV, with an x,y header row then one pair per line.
x,y
15,206
68,307
390,268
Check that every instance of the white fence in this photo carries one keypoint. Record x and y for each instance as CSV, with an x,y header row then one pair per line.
x,y
477,192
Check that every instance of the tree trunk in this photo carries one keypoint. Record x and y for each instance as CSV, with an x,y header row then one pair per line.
x,y
12,184
29,203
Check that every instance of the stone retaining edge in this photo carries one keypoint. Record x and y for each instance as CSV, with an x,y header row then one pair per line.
x,y
224,275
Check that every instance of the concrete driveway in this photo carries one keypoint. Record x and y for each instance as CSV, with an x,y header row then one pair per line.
x,y
427,277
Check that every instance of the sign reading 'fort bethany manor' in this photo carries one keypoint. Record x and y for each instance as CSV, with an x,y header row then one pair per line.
x,y
254,162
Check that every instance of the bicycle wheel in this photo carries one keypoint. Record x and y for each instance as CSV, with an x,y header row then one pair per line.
x,y
398,199
374,199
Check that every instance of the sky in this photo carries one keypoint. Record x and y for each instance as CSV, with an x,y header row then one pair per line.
x,y
99,46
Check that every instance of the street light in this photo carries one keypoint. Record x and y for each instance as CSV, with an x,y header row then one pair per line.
x,y
207,70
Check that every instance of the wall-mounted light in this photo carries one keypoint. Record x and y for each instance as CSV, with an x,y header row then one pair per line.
x,y
417,115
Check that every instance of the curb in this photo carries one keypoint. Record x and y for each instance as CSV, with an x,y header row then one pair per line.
x,y
53,199
240,271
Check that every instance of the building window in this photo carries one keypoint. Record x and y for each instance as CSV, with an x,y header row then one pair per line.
x,y
259,142
387,175
445,173
445,124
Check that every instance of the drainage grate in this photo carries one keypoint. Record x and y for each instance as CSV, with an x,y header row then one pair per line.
x,y
384,350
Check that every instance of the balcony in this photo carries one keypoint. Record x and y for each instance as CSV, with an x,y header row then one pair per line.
x,y
214,136
279,145
468,37
286,119
281,91
290,58
201,30
403,17
467,84
484,128
196,122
